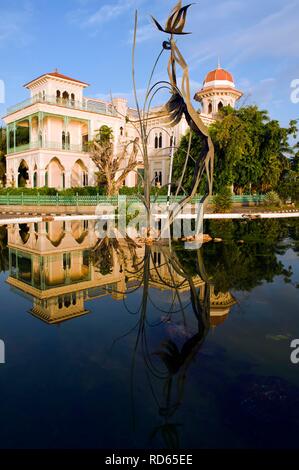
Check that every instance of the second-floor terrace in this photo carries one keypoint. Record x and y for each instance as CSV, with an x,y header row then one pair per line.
x,y
48,131
66,101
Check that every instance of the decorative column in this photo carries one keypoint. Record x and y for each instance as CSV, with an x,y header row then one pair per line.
x,y
89,131
41,178
65,127
14,136
7,139
67,178
30,175
40,129
30,131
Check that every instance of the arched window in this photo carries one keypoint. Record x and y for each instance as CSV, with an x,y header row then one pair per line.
x,y
160,140
158,178
85,179
44,95
58,96
63,140
73,99
67,301
210,108
121,131
35,179
220,106
156,141
65,96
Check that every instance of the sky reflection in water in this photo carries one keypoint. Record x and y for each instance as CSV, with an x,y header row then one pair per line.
x,y
110,344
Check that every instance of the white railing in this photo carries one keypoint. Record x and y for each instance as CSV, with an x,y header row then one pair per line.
x,y
94,106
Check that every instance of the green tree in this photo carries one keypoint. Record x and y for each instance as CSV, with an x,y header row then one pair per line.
x,y
252,152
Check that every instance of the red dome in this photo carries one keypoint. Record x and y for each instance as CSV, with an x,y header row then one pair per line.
x,y
219,74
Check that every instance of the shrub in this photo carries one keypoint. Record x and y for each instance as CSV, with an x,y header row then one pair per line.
x,y
272,199
33,191
223,200
127,191
85,191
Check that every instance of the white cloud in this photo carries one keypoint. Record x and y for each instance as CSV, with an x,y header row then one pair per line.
x,y
273,35
88,17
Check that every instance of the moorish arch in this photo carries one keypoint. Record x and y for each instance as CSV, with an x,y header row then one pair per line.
x,y
24,232
35,176
79,175
55,172
23,174
56,233
79,230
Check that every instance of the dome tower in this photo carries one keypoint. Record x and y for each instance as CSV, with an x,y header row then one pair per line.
x,y
218,90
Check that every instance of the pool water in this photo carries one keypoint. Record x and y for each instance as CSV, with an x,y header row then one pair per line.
x,y
113,344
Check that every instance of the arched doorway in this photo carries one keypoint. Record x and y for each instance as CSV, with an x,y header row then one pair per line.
x,y
55,172
23,174
220,106
79,175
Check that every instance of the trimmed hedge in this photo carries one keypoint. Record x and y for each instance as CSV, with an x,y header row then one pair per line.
x,y
85,191
127,191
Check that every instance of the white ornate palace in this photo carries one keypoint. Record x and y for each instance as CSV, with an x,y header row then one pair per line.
x,y
47,134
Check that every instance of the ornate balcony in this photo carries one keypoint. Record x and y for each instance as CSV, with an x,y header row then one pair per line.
x,y
49,146
94,106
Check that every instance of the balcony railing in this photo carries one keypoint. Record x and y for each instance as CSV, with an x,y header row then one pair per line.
x,y
49,146
99,107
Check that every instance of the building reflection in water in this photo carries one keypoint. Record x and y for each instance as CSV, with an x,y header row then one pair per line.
x,y
61,265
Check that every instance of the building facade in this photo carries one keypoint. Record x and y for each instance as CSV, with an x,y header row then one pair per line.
x,y
47,134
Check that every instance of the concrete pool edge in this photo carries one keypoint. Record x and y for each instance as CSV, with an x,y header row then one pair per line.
x,y
215,216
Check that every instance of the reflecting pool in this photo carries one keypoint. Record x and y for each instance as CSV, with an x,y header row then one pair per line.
x,y
115,344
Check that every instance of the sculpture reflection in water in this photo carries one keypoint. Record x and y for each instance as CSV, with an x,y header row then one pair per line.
x,y
62,265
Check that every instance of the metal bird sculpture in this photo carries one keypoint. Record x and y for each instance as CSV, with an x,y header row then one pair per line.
x,y
180,104
176,21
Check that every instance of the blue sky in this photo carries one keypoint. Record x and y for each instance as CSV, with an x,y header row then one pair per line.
x,y
258,41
